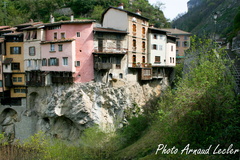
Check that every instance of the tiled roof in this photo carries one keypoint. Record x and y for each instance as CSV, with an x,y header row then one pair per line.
x,y
100,29
69,22
13,34
4,27
128,12
175,31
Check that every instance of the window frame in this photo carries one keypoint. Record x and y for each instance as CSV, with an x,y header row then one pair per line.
x,y
13,51
32,49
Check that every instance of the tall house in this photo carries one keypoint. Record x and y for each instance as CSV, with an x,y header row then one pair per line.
x,y
4,93
67,51
13,65
162,52
33,35
110,54
183,41
137,27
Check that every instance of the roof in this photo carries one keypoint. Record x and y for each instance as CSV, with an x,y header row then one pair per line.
x,y
4,27
33,27
109,30
69,22
158,30
58,41
175,31
7,61
28,24
128,12
14,34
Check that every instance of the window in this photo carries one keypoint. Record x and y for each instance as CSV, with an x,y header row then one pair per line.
x,y
185,37
65,61
170,59
157,59
15,66
19,79
52,48
171,48
62,35
154,36
173,60
14,79
134,45
29,63
31,51
161,36
143,30
77,63
34,35
60,47
55,35
44,62
185,44
17,90
143,46
160,47
134,58
177,44
78,34
154,47
143,59
134,27
121,75
53,62
15,50
1,83
27,36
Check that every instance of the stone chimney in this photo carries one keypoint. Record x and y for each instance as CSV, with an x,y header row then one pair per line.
x,y
138,12
52,19
72,17
120,6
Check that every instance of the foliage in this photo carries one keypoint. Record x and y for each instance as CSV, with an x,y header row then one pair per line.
x,y
21,11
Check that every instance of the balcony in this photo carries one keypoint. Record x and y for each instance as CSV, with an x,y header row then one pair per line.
x,y
108,50
101,65
139,65
62,79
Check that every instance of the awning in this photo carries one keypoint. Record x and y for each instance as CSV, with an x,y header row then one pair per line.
x,y
7,61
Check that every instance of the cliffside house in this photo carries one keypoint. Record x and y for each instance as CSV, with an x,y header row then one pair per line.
x,y
161,51
137,27
110,54
182,43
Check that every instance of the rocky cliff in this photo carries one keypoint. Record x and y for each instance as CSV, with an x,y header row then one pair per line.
x,y
64,111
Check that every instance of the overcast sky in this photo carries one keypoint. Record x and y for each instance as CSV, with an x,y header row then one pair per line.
x,y
172,7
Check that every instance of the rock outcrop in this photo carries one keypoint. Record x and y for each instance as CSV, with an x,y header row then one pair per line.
x,y
64,111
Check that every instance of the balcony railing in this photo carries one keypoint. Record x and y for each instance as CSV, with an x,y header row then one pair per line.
x,y
110,50
62,79
101,65
140,65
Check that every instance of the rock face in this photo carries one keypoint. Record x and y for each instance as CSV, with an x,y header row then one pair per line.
x,y
64,111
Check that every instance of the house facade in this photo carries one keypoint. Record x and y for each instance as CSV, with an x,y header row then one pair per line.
x,y
67,51
137,27
162,51
110,54
182,43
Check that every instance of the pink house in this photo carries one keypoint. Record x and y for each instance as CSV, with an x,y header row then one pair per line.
x,y
67,51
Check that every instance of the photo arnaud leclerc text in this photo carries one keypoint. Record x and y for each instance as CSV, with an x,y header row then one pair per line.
x,y
162,148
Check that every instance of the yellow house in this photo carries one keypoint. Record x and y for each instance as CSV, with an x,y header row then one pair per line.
x,y
13,65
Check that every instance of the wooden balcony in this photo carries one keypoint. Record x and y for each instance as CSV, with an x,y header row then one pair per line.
x,y
101,65
108,50
62,79
140,65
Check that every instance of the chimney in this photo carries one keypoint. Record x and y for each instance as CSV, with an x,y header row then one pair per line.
x,y
51,19
138,12
120,6
72,17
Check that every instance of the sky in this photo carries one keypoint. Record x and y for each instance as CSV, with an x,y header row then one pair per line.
x,y
172,7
